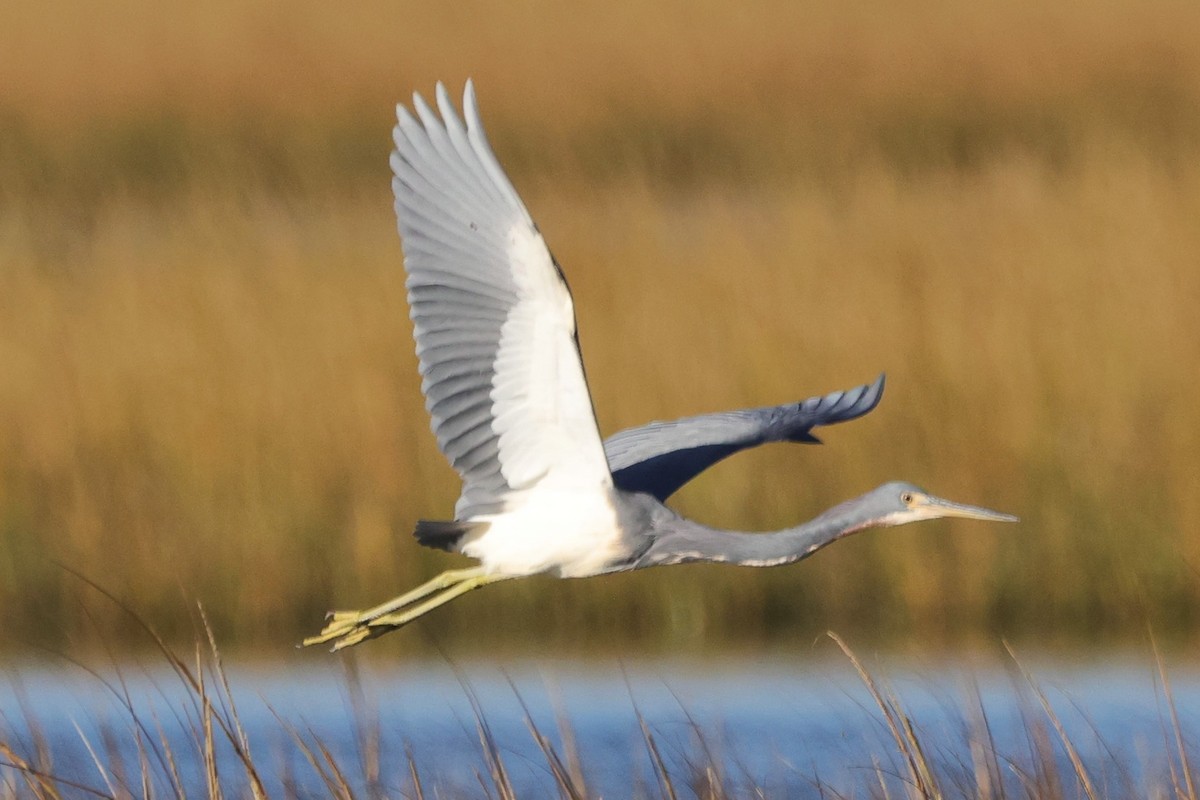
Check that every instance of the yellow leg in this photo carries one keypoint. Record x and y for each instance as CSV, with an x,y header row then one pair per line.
x,y
462,587
442,581
351,627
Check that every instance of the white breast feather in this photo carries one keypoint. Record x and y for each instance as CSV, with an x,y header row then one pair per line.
x,y
572,532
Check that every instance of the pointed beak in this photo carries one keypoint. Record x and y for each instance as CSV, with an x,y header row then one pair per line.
x,y
936,508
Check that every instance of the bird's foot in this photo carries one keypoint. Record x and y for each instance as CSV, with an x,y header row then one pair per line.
x,y
345,629
348,628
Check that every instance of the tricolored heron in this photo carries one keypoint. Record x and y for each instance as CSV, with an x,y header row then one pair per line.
x,y
505,390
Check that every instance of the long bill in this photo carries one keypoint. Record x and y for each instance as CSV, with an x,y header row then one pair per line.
x,y
935,508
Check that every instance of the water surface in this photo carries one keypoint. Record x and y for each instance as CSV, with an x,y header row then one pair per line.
x,y
782,726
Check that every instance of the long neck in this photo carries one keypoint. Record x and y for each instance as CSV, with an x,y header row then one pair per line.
x,y
680,540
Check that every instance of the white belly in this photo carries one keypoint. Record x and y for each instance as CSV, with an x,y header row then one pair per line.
x,y
572,532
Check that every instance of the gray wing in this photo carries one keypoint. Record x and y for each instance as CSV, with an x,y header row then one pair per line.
x,y
661,457
492,316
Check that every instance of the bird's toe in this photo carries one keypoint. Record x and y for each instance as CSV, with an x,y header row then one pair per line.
x,y
359,634
338,624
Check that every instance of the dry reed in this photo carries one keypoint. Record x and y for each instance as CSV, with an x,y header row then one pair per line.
x,y
206,377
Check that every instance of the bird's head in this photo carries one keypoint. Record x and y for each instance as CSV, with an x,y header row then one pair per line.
x,y
899,503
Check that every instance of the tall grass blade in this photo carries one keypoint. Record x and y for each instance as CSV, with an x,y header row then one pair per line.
x,y
144,766
1081,773
562,776
171,768
989,780
319,765
344,792
240,743
41,748
96,762
920,776
1185,765
880,778
570,744
42,784
211,770
116,762
487,740
656,759
414,774
367,731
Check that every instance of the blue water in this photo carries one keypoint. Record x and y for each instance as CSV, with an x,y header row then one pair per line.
x,y
781,726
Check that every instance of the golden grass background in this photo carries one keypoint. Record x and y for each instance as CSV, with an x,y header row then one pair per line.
x,y
207,386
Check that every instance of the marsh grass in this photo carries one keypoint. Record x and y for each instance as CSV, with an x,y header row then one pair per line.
x,y
201,749
207,384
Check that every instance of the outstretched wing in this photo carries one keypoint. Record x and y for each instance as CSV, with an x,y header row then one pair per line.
x,y
493,318
661,457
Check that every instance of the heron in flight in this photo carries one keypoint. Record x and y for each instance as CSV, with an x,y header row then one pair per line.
x,y
509,404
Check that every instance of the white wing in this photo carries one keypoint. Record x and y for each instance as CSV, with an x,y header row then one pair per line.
x,y
493,318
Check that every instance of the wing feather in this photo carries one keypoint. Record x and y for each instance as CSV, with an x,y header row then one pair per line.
x,y
493,319
459,139
491,167
660,457
464,180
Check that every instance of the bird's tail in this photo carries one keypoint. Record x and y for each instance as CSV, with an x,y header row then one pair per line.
x,y
443,534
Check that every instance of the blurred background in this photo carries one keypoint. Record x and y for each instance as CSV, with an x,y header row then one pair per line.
x,y
207,385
